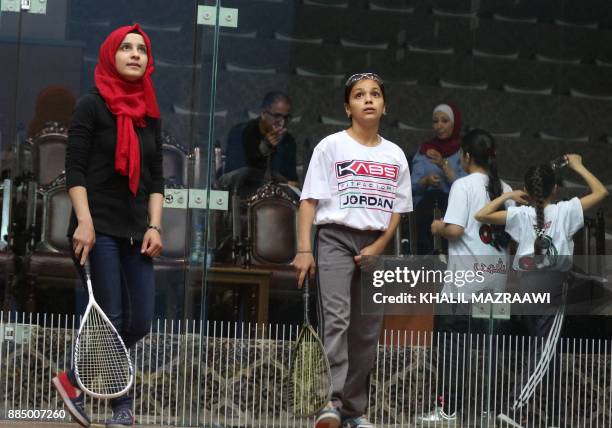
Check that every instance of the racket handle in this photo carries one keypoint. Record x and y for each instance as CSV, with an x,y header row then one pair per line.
x,y
306,297
87,269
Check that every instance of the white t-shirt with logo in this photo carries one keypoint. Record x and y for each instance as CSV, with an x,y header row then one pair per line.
x,y
561,221
357,186
474,250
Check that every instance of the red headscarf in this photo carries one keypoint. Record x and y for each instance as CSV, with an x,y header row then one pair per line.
x,y
130,102
450,145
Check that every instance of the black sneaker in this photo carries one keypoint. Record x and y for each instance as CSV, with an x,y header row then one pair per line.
x,y
73,398
122,417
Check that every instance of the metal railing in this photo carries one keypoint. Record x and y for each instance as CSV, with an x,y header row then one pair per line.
x,y
220,374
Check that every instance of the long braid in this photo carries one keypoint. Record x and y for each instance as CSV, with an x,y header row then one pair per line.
x,y
539,182
501,239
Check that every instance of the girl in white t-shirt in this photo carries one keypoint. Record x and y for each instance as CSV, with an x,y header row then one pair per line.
x,y
473,246
356,186
544,232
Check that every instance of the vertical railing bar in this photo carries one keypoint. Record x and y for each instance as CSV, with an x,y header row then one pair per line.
x,y
36,337
163,367
17,323
573,381
493,411
598,379
567,369
142,373
527,404
592,368
580,383
404,376
431,352
248,365
419,375
274,384
185,377
261,373
135,385
437,370
397,365
610,383
543,384
200,370
404,367
220,368
512,372
193,367
502,377
289,361
72,341
170,336
269,365
468,351
49,377
177,388
462,336
153,369
456,376
212,370
282,373
551,399
254,374
605,372
416,393
233,370
380,389
591,380
30,329
240,371
477,359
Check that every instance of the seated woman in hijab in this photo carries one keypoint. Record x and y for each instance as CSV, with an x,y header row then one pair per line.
x,y
434,168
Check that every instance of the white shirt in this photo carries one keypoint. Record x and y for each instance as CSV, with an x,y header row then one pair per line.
x,y
561,221
474,250
357,186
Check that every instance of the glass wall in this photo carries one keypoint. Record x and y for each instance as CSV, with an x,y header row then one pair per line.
x,y
51,52
532,74
535,79
535,74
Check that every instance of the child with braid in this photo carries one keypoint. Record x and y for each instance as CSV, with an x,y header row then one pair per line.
x,y
544,233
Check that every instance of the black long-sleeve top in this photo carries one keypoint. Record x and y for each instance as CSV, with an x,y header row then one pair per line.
x,y
243,149
90,162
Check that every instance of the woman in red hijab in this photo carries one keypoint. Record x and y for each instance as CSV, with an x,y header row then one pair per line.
x,y
115,182
434,168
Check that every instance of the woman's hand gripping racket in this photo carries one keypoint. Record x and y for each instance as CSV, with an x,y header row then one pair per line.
x,y
102,363
310,382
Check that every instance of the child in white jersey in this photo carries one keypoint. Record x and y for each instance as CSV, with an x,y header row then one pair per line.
x,y
473,246
544,234
356,186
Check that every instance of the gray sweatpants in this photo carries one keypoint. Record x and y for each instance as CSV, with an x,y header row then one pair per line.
x,y
350,337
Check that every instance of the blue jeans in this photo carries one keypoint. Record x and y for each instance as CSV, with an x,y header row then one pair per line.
x,y
123,284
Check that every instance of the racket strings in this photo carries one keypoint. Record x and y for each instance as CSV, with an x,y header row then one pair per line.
x,y
102,363
310,379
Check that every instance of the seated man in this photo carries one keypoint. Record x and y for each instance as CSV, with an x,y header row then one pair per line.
x,y
265,139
